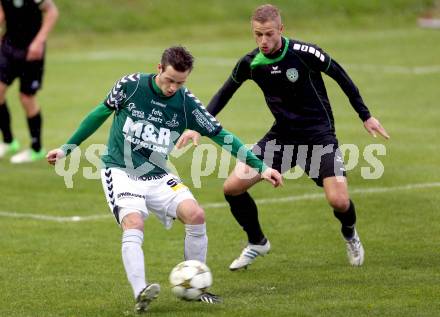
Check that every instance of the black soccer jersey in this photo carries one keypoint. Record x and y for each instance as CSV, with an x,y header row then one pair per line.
x,y
23,21
293,88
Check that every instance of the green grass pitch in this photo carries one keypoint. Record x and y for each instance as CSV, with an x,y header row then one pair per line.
x,y
50,268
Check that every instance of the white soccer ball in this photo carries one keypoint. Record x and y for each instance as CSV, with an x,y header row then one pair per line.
x,y
190,279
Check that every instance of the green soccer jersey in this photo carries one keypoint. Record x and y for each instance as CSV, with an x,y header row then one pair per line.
x,y
147,124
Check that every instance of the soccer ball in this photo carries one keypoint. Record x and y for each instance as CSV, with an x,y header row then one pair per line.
x,y
190,279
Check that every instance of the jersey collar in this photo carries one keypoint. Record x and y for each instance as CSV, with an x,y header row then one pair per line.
x,y
155,88
261,59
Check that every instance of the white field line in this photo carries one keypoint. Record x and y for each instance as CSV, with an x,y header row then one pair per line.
x,y
11,214
373,190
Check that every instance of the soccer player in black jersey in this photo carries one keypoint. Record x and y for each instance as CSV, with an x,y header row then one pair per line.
x,y
22,50
289,74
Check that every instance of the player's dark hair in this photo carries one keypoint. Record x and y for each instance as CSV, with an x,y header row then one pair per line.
x,y
266,12
178,57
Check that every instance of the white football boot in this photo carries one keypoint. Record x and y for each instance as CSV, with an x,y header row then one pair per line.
x,y
146,296
28,156
355,250
9,148
248,255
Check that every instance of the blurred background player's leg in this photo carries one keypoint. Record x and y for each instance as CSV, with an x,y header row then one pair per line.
x,y
33,115
31,79
9,145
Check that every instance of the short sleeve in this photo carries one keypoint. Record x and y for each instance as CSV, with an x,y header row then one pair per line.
x,y
315,58
198,118
118,94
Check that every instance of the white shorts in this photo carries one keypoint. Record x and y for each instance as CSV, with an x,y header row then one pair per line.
x,y
159,194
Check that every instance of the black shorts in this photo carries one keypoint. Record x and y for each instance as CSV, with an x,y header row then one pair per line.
x,y
320,160
13,65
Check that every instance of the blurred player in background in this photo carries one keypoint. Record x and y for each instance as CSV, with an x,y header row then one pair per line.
x,y
22,51
151,111
289,74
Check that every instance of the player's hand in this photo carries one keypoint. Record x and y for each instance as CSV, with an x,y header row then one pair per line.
x,y
35,51
373,125
272,176
188,135
54,155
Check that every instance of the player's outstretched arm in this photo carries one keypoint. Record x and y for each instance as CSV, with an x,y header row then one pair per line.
x,y
54,155
373,125
87,127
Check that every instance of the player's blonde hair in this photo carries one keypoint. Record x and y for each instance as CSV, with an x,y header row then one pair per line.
x,y
266,12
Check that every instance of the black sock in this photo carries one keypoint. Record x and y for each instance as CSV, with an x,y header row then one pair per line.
x,y
348,220
34,124
245,212
5,123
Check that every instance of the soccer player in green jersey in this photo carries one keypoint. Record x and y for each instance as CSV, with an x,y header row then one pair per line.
x,y
150,112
